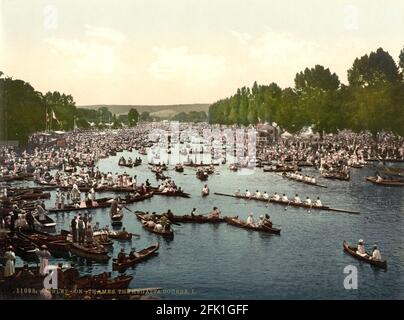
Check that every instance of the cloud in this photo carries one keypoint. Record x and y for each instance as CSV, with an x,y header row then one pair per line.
x,y
105,34
178,64
96,52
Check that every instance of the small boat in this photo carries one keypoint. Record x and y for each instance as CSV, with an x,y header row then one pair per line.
x,y
123,236
241,224
23,248
233,167
281,168
352,251
142,255
202,175
198,219
287,176
128,165
386,182
92,251
116,219
57,244
167,234
179,168
161,176
131,198
32,196
48,222
177,193
337,175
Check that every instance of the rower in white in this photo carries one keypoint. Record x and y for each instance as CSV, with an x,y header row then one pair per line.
x,y
318,202
297,199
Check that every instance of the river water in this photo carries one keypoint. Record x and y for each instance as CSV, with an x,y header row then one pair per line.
x,y
224,262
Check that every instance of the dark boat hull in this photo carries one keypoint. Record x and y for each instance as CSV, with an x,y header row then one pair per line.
x,y
352,252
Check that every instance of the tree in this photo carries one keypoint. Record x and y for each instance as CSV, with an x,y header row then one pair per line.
x,y
133,117
317,78
374,69
401,63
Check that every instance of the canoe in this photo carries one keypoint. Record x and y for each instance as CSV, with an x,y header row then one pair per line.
x,y
47,223
102,203
289,203
352,251
142,256
241,224
95,252
386,183
164,233
57,244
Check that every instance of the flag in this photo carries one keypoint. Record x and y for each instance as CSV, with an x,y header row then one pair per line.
x,y
54,117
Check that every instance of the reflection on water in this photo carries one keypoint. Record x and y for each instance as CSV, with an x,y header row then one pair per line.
x,y
223,262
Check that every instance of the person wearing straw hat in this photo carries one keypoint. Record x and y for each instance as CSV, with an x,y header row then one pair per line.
x,y
44,255
9,257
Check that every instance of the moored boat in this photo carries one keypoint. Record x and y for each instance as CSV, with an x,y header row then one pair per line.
x,y
386,182
92,251
169,234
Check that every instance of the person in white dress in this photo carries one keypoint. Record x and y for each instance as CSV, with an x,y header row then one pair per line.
x,y
9,257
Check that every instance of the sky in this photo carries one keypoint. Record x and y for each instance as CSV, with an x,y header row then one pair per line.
x,y
186,51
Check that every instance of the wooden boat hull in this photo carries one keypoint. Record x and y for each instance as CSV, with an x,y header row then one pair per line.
x,y
100,254
243,225
143,255
289,203
386,183
352,252
165,234
102,203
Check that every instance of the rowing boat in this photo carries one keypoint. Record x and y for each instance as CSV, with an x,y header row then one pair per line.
x,y
352,251
57,244
281,168
142,255
189,218
387,183
169,234
241,224
289,203
131,199
120,235
48,222
92,251
344,176
171,194
284,175
23,248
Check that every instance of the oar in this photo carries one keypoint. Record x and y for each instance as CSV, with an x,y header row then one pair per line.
x,y
127,208
287,205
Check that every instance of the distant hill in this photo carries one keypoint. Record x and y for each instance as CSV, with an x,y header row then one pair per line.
x,y
163,111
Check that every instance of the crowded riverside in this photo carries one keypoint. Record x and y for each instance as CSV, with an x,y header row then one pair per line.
x,y
157,211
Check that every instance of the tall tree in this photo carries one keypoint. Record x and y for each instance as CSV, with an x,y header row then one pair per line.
x,y
133,117
374,69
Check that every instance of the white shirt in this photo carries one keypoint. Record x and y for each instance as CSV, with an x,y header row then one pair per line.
x,y
376,255
250,220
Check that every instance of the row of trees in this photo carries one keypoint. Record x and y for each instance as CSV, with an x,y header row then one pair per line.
x,y
373,100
